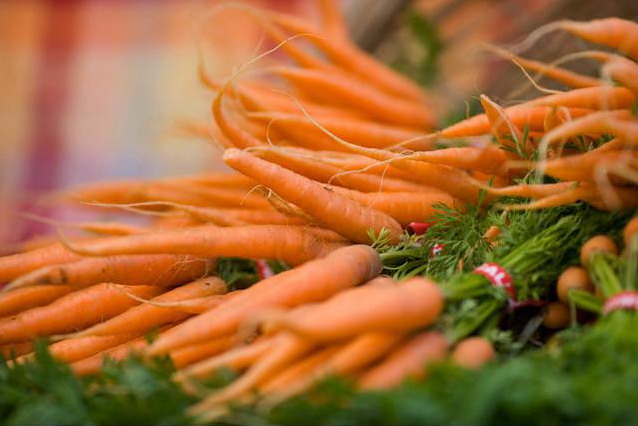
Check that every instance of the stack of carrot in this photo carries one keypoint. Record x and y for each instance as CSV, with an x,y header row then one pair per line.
x,y
321,172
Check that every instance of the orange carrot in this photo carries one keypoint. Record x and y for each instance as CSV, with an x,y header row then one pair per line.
x,y
111,228
146,316
157,269
339,213
12,351
614,122
192,354
334,22
599,243
27,298
77,348
630,231
313,281
331,88
287,348
473,352
236,358
597,98
556,315
617,33
623,71
574,277
408,360
14,265
414,303
71,312
93,364
293,244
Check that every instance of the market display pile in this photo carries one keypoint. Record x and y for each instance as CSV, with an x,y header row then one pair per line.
x,y
356,241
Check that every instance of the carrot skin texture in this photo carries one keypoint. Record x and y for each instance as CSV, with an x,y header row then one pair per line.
x,y
408,360
343,215
343,268
22,299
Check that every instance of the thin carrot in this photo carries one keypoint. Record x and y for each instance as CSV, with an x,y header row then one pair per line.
x,y
27,298
157,269
111,228
352,357
617,33
408,360
333,21
146,316
14,265
293,244
330,88
339,213
287,348
236,358
623,71
597,98
414,303
75,349
71,312
93,364
311,282
191,354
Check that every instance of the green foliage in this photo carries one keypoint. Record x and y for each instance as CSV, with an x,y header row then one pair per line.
x,y
240,273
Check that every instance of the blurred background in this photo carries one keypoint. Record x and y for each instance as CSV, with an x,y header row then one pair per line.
x,y
93,90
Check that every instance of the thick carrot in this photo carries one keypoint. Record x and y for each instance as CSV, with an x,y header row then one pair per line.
x,y
585,167
414,303
404,207
293,244
74,311
473,352
335,88
27,298
157,269
311,282
408,360
14,265
341,214
146,316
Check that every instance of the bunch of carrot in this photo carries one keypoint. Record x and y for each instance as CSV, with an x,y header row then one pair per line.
x,y
321,172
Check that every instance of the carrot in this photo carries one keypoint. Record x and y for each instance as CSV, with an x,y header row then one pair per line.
x,y
587,166
78,348
334,22
298,371
574,277
157,269
330,88
12,351
473,352
570,78
293,244
326,173
236,135
597,98
339,213
286,349
111,228
599,243
404,207
192,354
313,281
356,131
596,123
236,358
146,316
408,360
556,315
487,159
27,298
619,34
520,116
505,132
14,265
71,312
414,303
630,231
350,58
93,364
352,357
623,71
